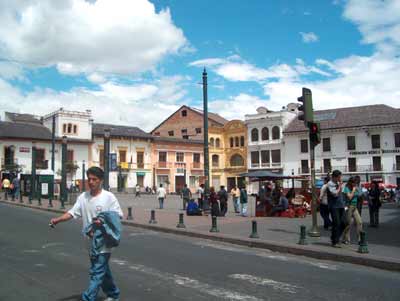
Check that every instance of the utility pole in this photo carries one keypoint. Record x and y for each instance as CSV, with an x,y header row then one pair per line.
x,y
206,156
33,174
83,176
106,182
64,195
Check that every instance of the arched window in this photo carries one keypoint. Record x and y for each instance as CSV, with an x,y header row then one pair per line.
x,y
237,141
231,141
237,160
215,160
211,141
217,143
265,134
254,135
69,128
75,129
276,133
242,141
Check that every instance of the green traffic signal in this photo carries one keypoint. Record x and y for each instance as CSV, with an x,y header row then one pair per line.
x,y
306,113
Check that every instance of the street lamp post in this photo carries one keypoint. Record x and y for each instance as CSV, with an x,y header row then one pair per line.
x,y
83,176
293,178
206,158
63,172
33,173
106,159
119,178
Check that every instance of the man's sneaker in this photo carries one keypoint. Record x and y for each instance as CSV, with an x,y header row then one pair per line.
x,y
110,299
336,246
346,242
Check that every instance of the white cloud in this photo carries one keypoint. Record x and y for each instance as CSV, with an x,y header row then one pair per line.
x,y
96,78
116,36
10,70
308,37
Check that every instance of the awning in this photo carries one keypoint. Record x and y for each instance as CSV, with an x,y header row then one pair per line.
x,y
140,173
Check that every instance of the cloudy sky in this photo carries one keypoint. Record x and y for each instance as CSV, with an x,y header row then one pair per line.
x,y
134,62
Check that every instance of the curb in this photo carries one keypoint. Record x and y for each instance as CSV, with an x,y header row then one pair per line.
x,y
307,251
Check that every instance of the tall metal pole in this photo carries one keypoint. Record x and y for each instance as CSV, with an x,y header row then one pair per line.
x,y
63,172
106,152
314,232
53,143
206,155
33,174
83,176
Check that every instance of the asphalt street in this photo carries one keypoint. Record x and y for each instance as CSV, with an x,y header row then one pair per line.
x,y
40,263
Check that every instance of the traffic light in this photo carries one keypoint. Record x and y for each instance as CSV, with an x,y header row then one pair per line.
x,y
315,133
306,112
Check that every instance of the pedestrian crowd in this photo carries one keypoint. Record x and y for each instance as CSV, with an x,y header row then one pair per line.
x,y
11,187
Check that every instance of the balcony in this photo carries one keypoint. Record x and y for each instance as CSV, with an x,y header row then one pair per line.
x,y
267,165
42,164
396,167
164,165
9,165
304,170
126,166
350,169
196,165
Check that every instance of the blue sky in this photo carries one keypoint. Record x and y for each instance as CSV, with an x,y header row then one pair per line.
x,y
136,62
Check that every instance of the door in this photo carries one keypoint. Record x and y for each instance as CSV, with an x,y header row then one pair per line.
x,y
215,182
231,182
179,183
140,180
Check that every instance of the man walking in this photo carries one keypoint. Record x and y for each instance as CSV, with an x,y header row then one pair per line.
x,y
243,201
88,206
15,188
186,194
223,200
336,207
162,195
235,192
323,205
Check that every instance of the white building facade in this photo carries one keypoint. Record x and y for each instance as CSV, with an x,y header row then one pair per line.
x,y
363,141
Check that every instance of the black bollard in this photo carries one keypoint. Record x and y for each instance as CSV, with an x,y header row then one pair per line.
x,y
214,227
153,217
254,233
50,202
40,199
303,240
181,224
129,217
20,197
363,246
6,195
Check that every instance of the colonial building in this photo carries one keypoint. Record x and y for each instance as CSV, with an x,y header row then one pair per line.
x,y
265,139
177,162
187,123
228,154
130,155
362,141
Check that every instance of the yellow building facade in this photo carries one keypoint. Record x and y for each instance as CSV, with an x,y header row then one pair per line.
x,y
228,154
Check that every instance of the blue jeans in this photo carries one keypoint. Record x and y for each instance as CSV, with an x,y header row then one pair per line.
x,y
161,201
235,201
324,211
100,276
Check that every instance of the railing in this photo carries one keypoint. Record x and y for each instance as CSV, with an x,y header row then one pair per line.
x,y
255,165
266,165
9,165
352,168
196,165
134,166
42,164
164,165
396,166
303,171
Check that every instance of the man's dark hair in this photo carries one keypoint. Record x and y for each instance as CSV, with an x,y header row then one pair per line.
x,y
95,171
336,173
160,185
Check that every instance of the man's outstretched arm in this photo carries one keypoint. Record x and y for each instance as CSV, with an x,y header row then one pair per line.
x,y
63,218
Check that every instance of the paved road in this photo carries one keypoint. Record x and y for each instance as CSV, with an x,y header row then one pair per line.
x,y
38,263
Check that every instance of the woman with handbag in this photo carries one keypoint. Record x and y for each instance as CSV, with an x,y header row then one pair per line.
x,y
351,194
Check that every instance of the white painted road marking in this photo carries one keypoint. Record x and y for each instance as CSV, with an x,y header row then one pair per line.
x,y
276,285
191,283
52,244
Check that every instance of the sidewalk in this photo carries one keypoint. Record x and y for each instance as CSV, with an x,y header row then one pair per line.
x,y
276,234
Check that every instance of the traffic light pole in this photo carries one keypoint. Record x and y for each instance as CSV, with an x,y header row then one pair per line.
x,y
314,232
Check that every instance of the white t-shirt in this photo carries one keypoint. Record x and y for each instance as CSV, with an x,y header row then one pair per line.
x,y
161,192
87,207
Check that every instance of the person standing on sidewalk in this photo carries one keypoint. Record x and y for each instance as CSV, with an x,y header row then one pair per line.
x,y
88,206
235,192
200,196
162,195
397,195
323,205
186,195
336,207
213,201
137,190
360,195
223,200
352,195
6,187
374,204
16,188
243,201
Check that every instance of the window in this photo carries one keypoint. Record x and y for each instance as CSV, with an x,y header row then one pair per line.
x,y
215,160
237,141
352,164
140,159
64,128
276,156
237,160
351,142
122,156
196,157
254,135
376,141
326,144
304,166
276,133
212,142
397,163
304,145
184,131
265,134
255,159
184,113
396,139
198,130
241,141
265,158
231,141
75,129
180,157
170,133
217,143
376,164
162,156
101,158
69,130
156,133
70,155
327,165
41,159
